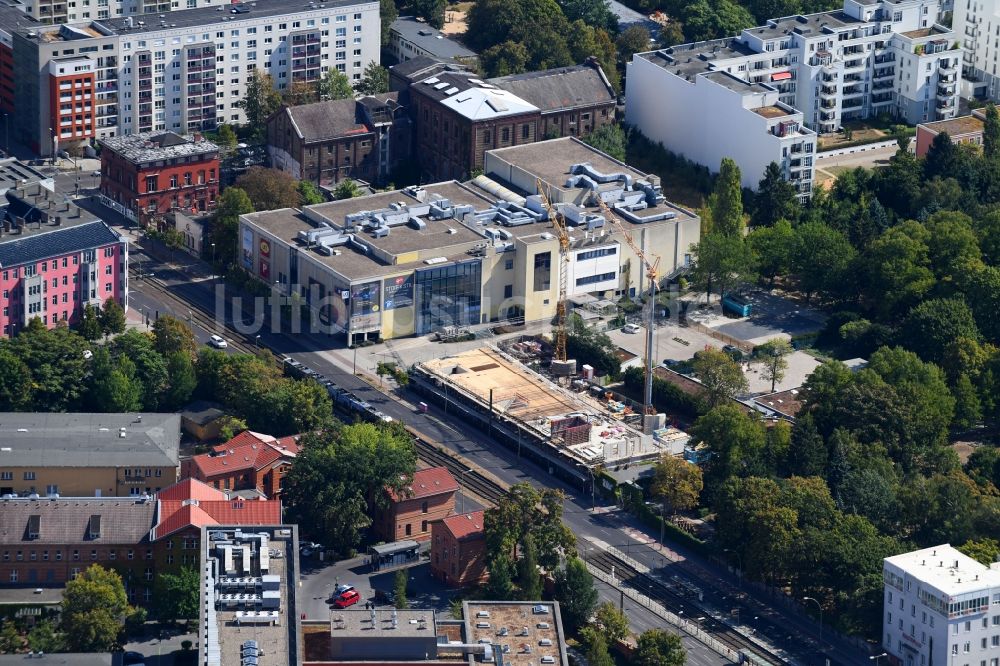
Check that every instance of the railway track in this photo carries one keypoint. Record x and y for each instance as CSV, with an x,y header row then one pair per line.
x,y
677,604
473,480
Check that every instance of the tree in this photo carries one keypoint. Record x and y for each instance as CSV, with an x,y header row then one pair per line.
x,y
772,356
56,365
182,380
399,583
597,647
432,10
346,189
594,13
721,263
335,85
112,317
807,455
173,335
633,39
524,512
500,585
677,483
737,442
150,366
657,647
269,189
539,27
10,637
896,270
941,157
612,622
387,13
776,198
931,326
177,595
820,258
233,202
16,389
772,249
983,296
528,578
310,193
588,346
991,133
985,551
89,325
114,387
505,58
339,473
576,594
43,638
374,80
260,100
94,608
225,137
609,139
299,93
726,202
721,376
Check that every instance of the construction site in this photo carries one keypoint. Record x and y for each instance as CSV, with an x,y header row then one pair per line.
x,y
580,429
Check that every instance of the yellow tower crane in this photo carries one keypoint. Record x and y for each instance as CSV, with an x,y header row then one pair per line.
x,y
652,274
559,224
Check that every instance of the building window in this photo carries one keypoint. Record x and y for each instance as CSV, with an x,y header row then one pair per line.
x,y
423,526
409,529
29,476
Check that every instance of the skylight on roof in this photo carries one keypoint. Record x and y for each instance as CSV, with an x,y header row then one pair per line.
x,y
451,91
439,86
432,80
497,105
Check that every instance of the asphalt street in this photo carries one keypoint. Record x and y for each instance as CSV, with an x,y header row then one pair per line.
x,y
788,629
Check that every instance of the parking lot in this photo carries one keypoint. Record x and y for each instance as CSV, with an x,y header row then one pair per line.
x,y
319,579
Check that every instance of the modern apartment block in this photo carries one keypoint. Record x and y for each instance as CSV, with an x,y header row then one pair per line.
x,y
940,607
182,71
407,262
872,57
977,24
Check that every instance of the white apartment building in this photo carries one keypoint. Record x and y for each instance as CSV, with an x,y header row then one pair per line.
x,y
941,608
76,11
871,57
737,119
183,70
977,24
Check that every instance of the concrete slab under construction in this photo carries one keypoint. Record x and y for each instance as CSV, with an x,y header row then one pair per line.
x,y
579,427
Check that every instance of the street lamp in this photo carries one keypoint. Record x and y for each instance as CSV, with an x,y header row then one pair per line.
x,y
213,261
256,341
876,657
820,607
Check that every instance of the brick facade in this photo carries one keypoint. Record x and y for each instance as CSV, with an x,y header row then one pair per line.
x,y
458,550
431,498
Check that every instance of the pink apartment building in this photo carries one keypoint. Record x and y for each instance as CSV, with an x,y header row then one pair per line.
x,y
55,258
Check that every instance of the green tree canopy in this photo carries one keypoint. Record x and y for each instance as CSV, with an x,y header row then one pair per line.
x,y
340,473
772,357
612,622
576,594
776,198
225,137
388,13
677,483
89,325
726,202
269,189
310,193
112,317
114,387
335,84
176,595
150,366
56,363
173,335
736,440
94,608
374,80
991,133
773,249
721,376
259,100
721,263
658,647
932,325
346,189
609,139
820,258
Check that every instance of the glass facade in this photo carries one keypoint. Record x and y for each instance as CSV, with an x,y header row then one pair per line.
x,y
543,271
448,296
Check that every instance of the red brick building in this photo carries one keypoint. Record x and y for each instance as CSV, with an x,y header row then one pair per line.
x,y
249,461
430,498
963,129
146,175
458,550
48,541
71,100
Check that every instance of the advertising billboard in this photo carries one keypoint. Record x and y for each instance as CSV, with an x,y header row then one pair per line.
x,y
265,247
397,292
364,298
247,249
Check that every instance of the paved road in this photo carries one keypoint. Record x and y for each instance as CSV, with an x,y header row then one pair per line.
x,y
790,630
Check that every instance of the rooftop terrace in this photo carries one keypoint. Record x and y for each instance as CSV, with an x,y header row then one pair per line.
x,y
146,147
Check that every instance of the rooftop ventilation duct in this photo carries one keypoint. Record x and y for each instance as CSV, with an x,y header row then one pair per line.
x,y
586,169
497,190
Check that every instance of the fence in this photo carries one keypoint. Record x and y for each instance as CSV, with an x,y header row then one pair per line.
x,y
850,150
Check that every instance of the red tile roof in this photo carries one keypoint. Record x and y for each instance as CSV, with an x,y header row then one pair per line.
x,y
465,525
191,489
176,515
429,482
248,450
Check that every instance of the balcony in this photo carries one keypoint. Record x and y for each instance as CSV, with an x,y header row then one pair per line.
x,y
947,67
828,91
854,64
884,73
823,115
885,98
946,104
852,104
853,91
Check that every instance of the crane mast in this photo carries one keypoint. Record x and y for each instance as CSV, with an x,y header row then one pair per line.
x,y
652,274
559,224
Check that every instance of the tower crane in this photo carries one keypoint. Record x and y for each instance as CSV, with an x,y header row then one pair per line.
x,y
559,224
652,273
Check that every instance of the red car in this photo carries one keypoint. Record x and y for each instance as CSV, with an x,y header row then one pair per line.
x,y
348,598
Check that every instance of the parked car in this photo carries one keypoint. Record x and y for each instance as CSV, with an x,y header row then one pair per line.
x,y
218,342
630,328
348,598
733,352
343,587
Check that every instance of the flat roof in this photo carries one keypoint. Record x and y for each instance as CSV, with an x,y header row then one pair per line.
x,y
89,440
14,173
956,126
430,39
147,147
771,111
947,569
357,623
534,629
736,84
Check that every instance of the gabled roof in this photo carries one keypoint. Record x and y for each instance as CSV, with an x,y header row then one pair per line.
x,y
68,520
326,120
561,88
191,489
247,450
178,515
486,103
465,525
428,483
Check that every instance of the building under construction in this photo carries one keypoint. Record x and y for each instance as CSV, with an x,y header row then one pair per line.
x,y
578,431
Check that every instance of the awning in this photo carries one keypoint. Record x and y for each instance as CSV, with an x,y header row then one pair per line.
x,y
781,76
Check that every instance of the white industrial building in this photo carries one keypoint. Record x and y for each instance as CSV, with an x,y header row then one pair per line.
x,y
941,608
186,70
872,57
